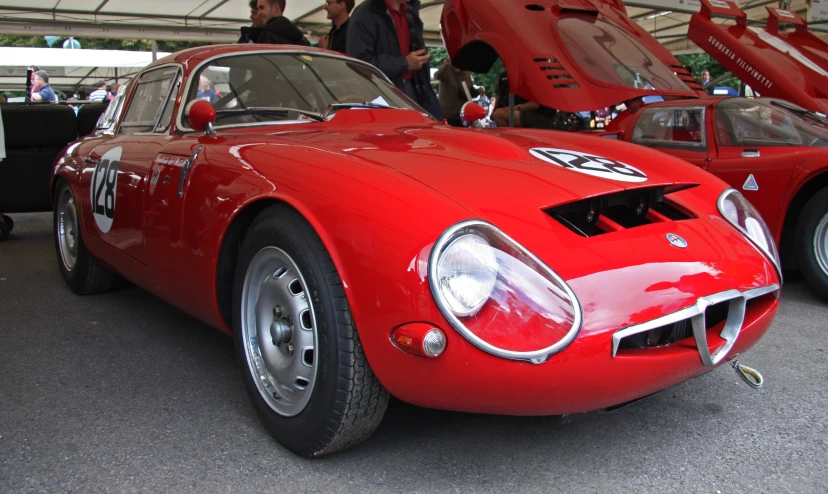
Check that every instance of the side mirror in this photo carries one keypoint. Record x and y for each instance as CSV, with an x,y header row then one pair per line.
x,y
201,115
473,115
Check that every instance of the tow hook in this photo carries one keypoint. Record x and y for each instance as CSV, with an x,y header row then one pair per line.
x,y
750,376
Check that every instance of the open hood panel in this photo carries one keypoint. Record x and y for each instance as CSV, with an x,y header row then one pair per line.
x,y
788,65
572,55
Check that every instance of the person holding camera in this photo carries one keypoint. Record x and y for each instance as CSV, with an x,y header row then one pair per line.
x,y
389,35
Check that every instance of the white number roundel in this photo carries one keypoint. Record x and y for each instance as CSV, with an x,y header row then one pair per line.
x,y
588,164
104,185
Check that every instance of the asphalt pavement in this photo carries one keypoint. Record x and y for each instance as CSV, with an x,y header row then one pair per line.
x,y
122,393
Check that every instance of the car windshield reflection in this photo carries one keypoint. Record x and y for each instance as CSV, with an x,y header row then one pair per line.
x,y
273,87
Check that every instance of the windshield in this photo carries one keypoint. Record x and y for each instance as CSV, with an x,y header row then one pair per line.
x,y
768,122
267,87
610,55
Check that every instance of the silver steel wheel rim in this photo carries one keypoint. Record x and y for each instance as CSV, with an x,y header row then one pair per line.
x,y
821,244
68,232
279,331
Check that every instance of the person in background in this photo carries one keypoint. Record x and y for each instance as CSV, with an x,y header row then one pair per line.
x,y
205,92
339,13
100,93
31,71
41,90
250,33
705,80
276,28
111,92
3,98
481,98
452,95
397,48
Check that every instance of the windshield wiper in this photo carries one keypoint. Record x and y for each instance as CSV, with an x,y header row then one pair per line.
x,y
269,110
363,104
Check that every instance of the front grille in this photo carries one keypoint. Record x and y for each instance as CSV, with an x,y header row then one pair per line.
x,y
718,318
621,210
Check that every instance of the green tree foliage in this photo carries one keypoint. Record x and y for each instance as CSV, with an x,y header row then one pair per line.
x,y
699,62
100,43
487,80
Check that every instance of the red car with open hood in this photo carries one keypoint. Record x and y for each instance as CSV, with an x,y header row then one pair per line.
x,y
583,55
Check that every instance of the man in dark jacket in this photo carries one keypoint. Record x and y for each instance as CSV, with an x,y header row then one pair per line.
x,y
339,13
389,35
276,28
250,33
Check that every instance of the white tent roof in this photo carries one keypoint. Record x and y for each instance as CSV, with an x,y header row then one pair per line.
x,y
218,21
70,68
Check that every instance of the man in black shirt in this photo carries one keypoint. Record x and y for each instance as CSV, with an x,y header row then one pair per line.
x,y
277,29
339,12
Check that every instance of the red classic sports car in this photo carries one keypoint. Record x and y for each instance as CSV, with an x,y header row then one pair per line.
x,y
356,248
583,55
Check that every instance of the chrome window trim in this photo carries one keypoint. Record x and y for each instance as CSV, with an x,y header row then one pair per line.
x,y
730,332
702,146
179,123
109,130
535,357
137,82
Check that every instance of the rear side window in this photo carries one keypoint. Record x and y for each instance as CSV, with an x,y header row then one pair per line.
x,y
151,96
671,127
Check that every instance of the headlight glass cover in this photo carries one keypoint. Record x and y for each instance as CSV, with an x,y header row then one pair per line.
x,y
499,296
741,214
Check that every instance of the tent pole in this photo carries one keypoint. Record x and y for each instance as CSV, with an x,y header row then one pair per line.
x,y
154,51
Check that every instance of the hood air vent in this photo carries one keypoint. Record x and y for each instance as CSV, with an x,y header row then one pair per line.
x,y
621,210
556,73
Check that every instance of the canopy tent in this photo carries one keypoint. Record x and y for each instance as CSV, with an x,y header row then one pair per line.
x,y
70,68
218,21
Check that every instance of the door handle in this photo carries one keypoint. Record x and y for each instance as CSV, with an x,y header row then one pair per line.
x,y
185,170
751,153
90,161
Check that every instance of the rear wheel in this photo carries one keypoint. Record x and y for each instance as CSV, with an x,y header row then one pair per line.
x,y
301,358
6,226
82,273
812,243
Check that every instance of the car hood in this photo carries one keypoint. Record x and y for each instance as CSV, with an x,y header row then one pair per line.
x,y
787,65
496,169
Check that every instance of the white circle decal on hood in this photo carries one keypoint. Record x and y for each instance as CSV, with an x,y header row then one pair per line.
x,y
590,164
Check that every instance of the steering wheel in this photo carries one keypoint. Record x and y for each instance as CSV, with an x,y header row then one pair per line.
x,y
816,140
349,98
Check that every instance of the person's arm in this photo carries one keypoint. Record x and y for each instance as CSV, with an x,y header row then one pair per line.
x,y
361,44
441,70
36,96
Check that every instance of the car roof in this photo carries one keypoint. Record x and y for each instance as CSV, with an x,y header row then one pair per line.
x,y
191,57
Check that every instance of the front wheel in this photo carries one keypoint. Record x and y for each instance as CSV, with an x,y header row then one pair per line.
x,y
812,243
301,358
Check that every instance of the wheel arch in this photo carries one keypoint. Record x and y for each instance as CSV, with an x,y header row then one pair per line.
x,y
234,236
808,189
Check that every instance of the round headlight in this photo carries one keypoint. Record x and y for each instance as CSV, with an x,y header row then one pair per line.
x,y
466,274
740,213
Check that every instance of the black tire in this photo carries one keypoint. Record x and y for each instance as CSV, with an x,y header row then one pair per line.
x,y
85,276
347,402
6,226
813,222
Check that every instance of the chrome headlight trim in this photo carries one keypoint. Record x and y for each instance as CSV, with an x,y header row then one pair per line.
x,y
773,257
535,357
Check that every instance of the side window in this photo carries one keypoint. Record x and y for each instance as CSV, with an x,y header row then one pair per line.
x,y
671,127
166,117
108,118
148,101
